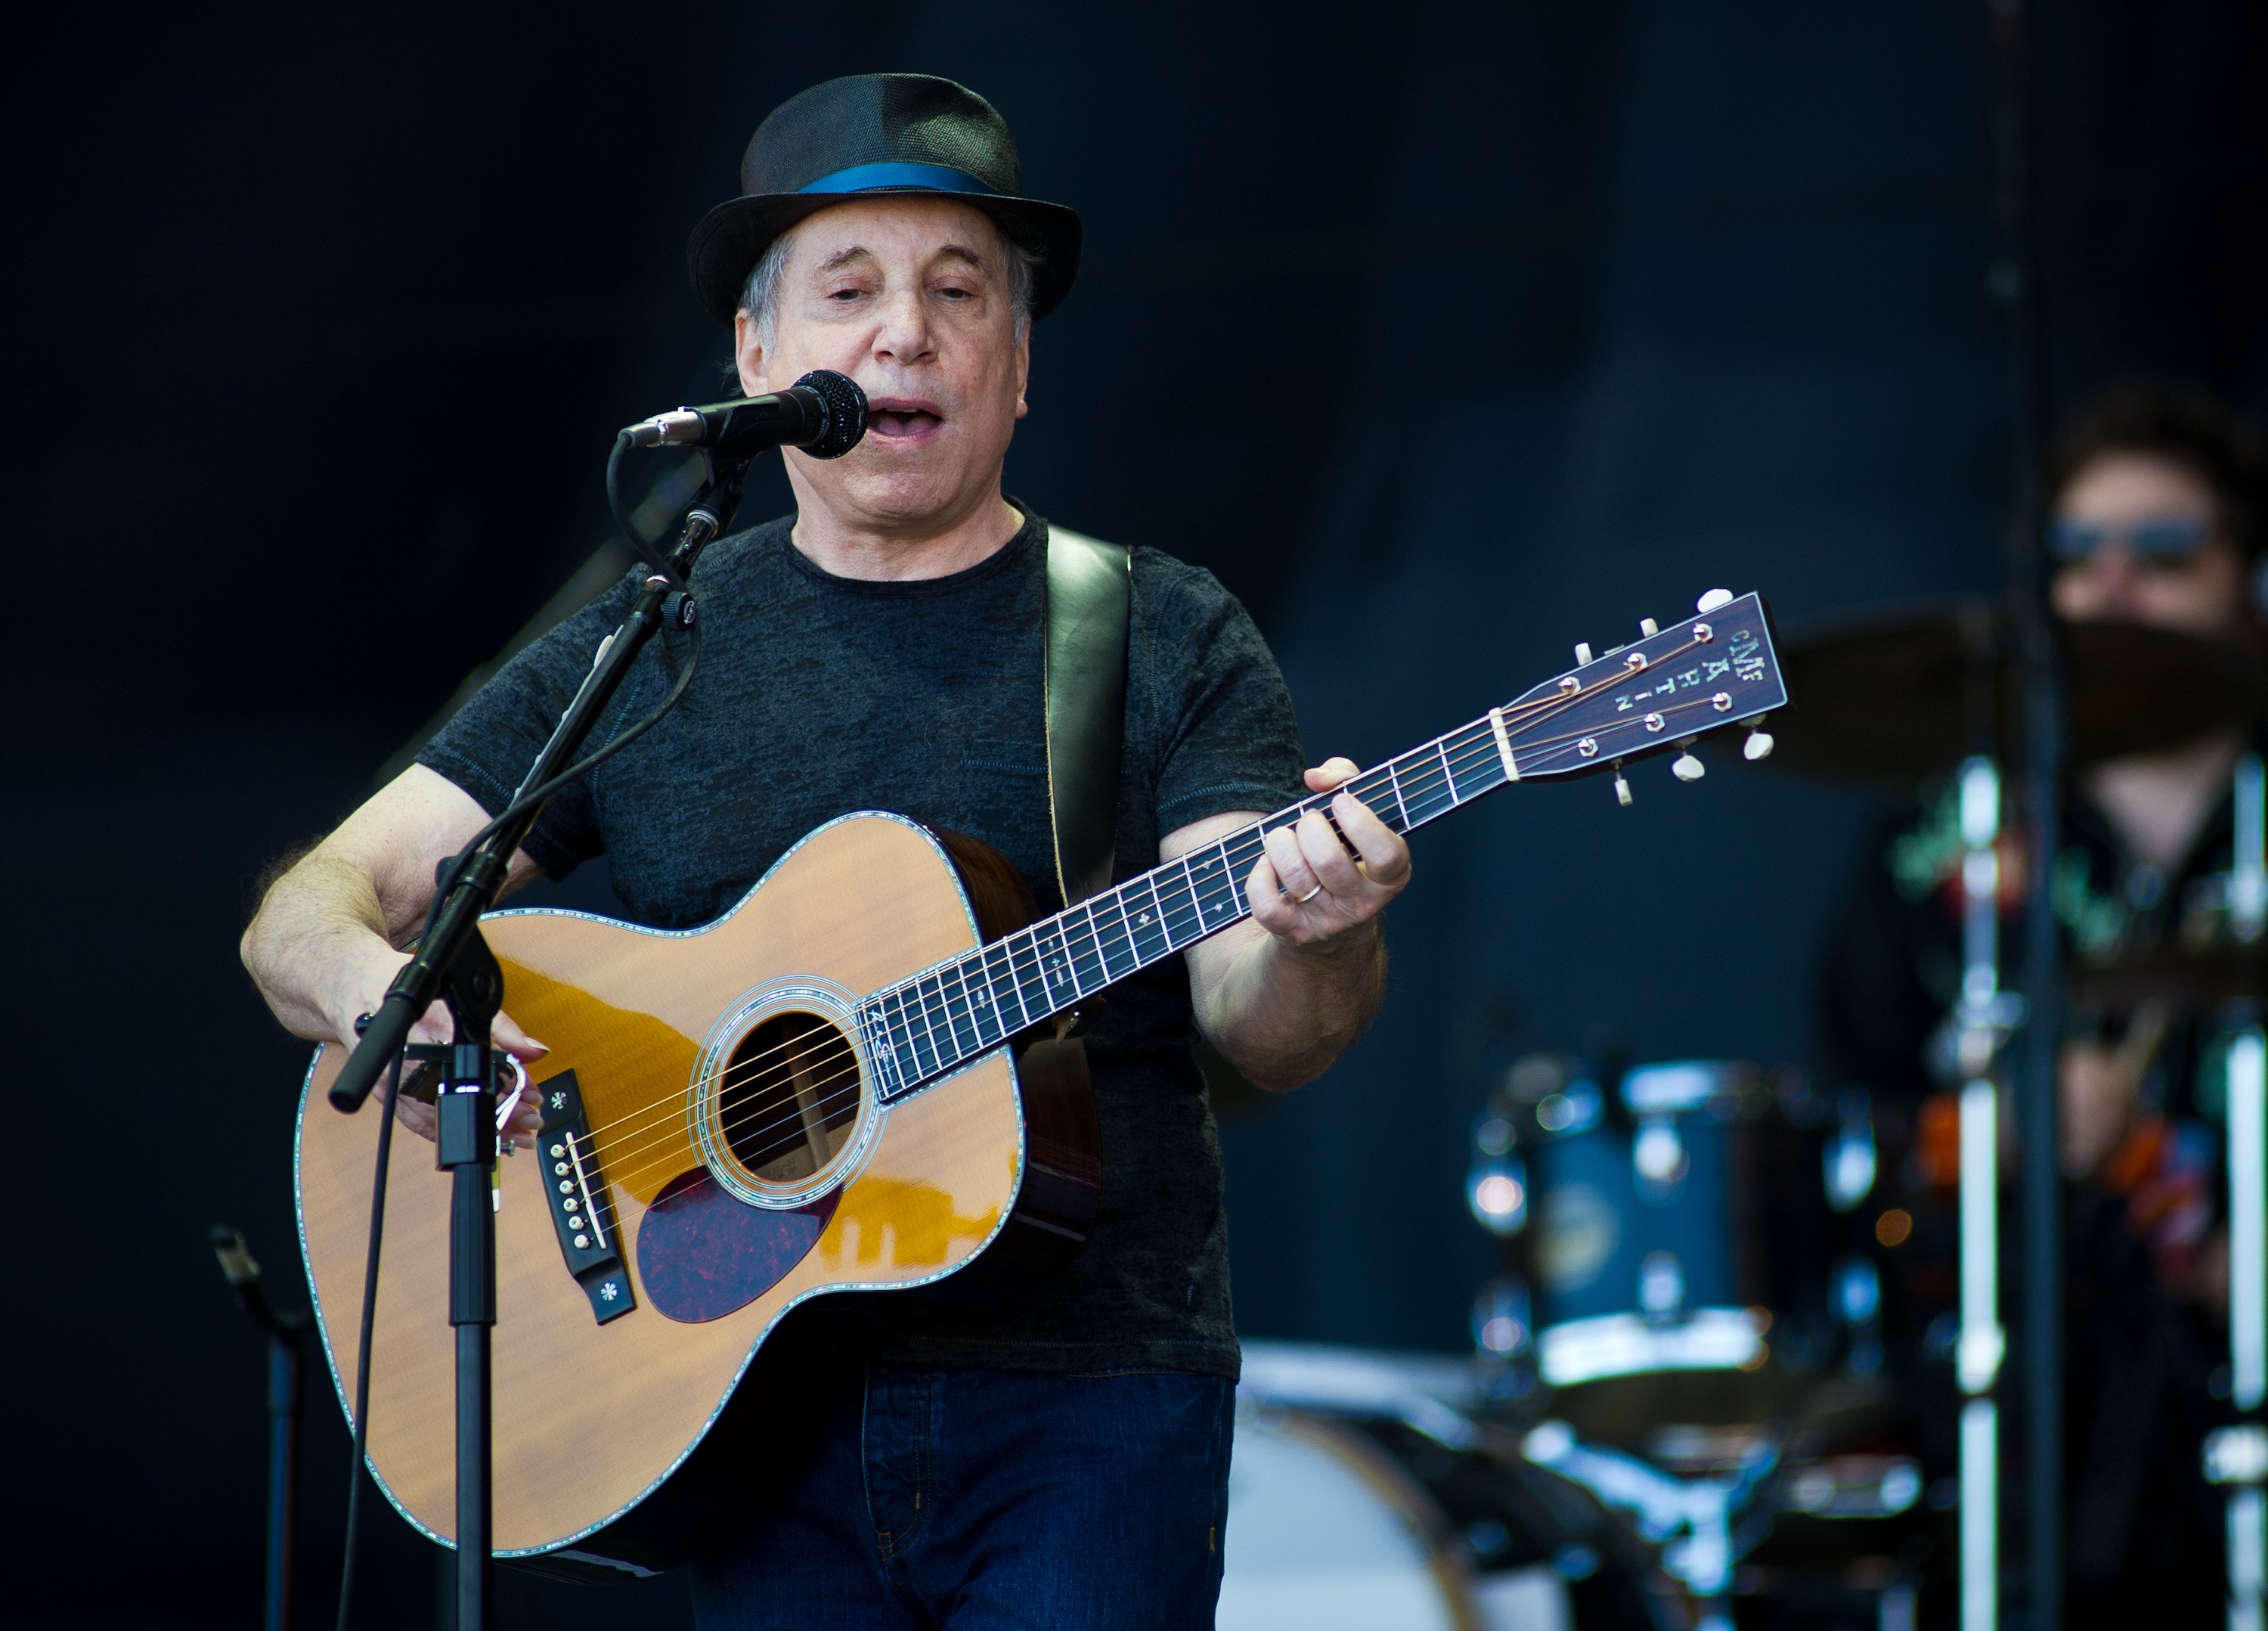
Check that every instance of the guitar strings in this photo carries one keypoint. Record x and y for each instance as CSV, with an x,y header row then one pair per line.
x,y
635,1164
639,1157
1472,755
736,1130
1432,773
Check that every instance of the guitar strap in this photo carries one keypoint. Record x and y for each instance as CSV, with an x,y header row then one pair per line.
x,y
1089,593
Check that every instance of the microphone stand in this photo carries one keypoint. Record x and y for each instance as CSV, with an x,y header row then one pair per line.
x,y
453,963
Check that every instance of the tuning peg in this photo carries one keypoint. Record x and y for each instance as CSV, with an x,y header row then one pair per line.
x,y
1582,653
1713,600
1759,744
1622,786
1685,767
1647,626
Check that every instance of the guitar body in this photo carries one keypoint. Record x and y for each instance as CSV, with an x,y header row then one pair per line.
x,y
728,1210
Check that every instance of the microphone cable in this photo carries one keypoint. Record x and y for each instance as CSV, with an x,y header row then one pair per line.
x,y
356,1469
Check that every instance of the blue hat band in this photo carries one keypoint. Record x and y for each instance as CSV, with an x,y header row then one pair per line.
x,y
863,178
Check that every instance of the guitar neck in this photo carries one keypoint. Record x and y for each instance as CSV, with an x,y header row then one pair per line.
x,y
1668,688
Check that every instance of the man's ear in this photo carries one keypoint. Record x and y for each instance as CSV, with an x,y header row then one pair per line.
x,y
1023,370
749,355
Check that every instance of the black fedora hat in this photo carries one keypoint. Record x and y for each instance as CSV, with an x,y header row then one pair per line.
x,y
878,134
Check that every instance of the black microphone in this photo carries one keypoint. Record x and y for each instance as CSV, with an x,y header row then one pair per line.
x,y
824,413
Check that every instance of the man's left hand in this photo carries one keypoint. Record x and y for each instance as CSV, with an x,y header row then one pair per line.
x,y
1306,889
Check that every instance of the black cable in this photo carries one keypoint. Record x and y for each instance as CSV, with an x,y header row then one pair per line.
x,y
369,1331
633,535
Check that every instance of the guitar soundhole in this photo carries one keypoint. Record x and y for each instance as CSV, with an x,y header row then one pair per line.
x,y
789,1100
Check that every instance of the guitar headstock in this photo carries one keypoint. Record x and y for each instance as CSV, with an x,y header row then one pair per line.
x,y
1674,683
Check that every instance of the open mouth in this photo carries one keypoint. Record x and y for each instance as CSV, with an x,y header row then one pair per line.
x,y
901,422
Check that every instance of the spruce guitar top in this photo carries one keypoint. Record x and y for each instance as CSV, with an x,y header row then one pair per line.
x,y
848,1082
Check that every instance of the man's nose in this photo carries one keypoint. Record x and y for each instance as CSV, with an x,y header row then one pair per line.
x,y
2116,572
905,333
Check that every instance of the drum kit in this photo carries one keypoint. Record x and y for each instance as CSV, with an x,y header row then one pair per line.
x,y
1686,1406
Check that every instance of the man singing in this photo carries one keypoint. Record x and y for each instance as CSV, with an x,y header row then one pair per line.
x,y
1063,1462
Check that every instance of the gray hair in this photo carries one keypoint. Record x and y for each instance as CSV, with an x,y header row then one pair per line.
x,y
760,295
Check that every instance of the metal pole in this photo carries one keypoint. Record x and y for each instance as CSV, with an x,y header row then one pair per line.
x,y
467,1139
283,1474
2037,1066
2248,1251
2238,1456
1977,1355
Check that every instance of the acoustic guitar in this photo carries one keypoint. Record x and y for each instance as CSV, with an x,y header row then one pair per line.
x,y
850,1082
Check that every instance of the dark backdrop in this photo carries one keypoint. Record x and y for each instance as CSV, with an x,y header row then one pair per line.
x,y
1446,334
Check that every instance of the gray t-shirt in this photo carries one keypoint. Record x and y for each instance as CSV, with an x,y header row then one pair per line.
x,y
818,695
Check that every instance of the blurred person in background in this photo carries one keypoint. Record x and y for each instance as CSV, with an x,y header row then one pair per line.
x,y
2156,495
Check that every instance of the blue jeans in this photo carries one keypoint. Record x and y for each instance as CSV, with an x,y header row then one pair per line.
x,y
982,1499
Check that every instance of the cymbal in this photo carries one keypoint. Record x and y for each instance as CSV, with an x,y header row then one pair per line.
x,y
1891,698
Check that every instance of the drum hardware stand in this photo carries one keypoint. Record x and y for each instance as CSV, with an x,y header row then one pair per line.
x,y
453,963
1690,1519
1985,1016
286,1354
2038,663
2237,1456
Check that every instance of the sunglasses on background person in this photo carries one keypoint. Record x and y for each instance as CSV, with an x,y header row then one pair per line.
x,y
2159,541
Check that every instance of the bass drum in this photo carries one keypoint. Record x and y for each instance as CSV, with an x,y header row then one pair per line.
x,y
1329,1532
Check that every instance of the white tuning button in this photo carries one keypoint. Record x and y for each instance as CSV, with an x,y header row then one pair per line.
x,y
1759,746
1713,600
1648,626
1582,653
1622,790
1685,767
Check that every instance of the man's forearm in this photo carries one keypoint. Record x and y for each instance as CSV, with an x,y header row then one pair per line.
x,y
321,915
1283,1013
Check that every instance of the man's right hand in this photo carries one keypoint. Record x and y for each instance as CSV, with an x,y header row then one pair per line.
x,y
322,946
363,987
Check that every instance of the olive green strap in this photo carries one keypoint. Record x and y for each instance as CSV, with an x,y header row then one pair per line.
x,y
1088,597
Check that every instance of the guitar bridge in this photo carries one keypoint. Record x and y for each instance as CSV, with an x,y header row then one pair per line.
x,y
581,1213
